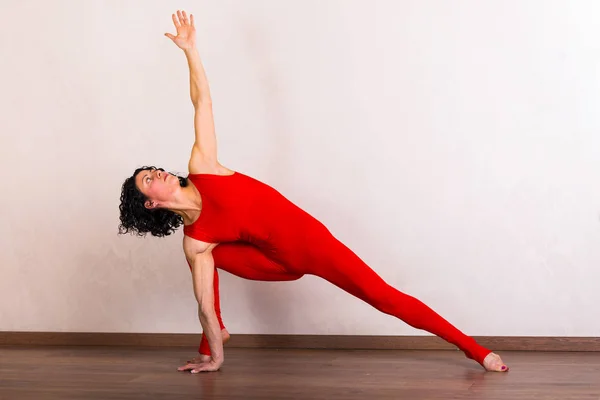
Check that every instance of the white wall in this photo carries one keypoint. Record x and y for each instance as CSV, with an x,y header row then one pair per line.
x,y
453,145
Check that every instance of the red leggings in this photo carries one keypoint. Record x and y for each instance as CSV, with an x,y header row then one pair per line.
x,y
351,275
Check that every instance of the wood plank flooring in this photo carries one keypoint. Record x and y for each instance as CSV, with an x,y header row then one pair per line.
x,y
93,372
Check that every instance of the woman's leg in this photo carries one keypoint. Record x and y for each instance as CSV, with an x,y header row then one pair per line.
x,y
345,269
247,262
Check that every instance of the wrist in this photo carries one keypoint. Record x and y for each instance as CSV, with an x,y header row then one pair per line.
x,y
218,360
190,50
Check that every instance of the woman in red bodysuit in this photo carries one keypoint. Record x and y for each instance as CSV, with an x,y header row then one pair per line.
x,y
241,225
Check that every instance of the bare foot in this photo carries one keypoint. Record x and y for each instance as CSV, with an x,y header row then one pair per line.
x,y
493,362
225,335
204,358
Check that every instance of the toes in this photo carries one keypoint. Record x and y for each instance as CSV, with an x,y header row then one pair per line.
x,y
494,363
499,368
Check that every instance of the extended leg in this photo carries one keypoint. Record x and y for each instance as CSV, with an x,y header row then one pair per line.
x,y
345,269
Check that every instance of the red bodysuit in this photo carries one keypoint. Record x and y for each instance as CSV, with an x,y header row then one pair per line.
x,y
264,236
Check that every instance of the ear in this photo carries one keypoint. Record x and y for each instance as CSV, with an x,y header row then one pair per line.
x,y
149,204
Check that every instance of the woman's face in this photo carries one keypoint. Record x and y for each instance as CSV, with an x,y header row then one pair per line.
x,y
157,185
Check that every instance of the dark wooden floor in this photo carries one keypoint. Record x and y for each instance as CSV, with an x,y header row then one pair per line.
x,y
151,373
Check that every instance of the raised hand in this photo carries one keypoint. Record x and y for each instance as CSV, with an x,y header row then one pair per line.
x,y
186,32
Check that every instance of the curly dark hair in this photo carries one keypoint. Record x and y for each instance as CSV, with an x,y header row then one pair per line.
x,y
137,219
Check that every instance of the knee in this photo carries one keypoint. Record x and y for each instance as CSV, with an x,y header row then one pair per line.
x,y
377,298
385,306
388,300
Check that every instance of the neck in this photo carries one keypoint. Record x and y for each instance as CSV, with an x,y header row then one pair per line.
x,y
187,203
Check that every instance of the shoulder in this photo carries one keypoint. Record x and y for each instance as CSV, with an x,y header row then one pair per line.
x,y
200,164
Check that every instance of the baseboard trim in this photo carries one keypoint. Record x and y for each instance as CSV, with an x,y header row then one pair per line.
x,y
345,342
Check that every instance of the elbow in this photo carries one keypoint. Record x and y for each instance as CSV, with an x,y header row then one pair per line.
x,y
202,103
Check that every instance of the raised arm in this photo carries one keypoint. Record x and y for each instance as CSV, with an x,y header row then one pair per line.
x,y
204,152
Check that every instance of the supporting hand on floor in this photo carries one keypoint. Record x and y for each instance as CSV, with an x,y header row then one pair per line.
x,y
207,366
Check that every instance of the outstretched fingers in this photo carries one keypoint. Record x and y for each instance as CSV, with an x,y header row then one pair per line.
x,y
176,21
188,367
182,17
196,368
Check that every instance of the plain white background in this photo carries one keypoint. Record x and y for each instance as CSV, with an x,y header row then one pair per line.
x,y
453,145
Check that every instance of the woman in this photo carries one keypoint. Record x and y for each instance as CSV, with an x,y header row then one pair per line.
x,y
236,223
